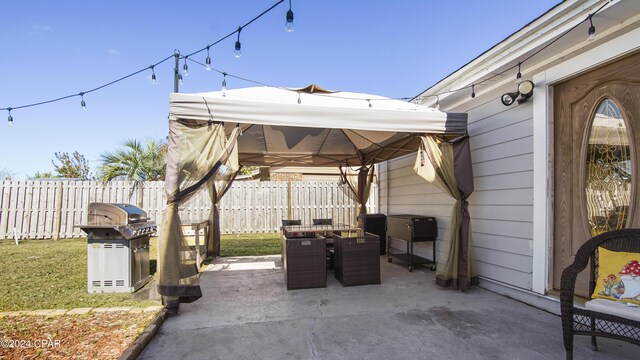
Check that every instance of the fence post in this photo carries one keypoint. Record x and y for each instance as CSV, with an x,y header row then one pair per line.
x,y
139,189
57,215
4,200
289,211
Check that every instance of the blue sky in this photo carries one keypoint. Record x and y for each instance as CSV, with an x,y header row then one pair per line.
x,y
56,48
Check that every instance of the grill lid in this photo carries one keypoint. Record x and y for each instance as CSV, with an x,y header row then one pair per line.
x,y
115,214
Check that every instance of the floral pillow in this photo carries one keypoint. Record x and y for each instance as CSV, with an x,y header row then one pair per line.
x,y
618,276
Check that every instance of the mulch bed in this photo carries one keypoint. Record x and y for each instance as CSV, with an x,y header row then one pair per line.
x,y
88,336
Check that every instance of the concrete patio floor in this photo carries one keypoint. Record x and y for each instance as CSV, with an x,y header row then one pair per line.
x,y
247,313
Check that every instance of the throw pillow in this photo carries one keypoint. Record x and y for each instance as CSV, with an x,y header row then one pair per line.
x,y
618,276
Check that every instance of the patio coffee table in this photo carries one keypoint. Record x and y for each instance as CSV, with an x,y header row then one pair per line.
x,y
304,258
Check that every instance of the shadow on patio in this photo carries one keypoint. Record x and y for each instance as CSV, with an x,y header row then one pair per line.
x,y
247,313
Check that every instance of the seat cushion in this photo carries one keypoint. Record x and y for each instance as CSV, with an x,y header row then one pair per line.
x,y
618,276
616,308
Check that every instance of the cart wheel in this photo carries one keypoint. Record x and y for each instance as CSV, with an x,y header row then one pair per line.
x,y
433,268
410,269
389,259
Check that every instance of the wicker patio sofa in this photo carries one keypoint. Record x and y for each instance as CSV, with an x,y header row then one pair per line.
x,y
577,320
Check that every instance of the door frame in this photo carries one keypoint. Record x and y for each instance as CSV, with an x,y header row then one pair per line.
x,y
543,153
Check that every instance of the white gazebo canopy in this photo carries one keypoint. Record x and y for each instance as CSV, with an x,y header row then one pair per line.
x,y
315,127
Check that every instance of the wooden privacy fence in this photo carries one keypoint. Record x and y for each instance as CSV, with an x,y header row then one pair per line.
x,y
36,209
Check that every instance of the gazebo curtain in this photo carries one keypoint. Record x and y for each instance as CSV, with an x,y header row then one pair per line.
x,y
447,165
362,188
217,189
199,155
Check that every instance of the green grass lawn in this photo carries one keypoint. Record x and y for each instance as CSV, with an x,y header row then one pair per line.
x,y
52,274
250,244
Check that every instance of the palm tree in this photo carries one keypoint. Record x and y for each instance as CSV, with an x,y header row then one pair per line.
x,y
136,161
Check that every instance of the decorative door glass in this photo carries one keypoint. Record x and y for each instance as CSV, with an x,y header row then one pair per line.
x,y
608,170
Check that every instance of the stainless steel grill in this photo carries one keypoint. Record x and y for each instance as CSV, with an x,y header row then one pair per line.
x,y
115,221
117,247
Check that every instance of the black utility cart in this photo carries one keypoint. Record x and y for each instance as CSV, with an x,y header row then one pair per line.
x,y
411,229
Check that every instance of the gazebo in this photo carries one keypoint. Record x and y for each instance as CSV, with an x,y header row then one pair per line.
x,y
212,135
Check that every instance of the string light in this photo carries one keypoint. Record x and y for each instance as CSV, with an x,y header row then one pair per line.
x,y
289,25
592,29
299,100
82,103
238,51
224,83
437,106
208,59
591,33
185,67
180,78
519,75
473,91
10,118
369,101
153,74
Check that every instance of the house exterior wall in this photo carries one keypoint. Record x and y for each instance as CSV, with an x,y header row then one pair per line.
x,y
512,152
404,192
501,206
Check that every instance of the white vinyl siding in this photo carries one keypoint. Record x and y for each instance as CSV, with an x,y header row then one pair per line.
x,y
408,193
501,206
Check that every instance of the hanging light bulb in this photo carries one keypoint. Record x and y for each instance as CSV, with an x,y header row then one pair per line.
x,y
208,59
473,91
185,67
180,78
238,50
592,30
369,101
10,119
224,83
82,103
153,75
289,25
519,75
437,106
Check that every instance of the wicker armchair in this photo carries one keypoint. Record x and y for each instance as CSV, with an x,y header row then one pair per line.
x,y
581,321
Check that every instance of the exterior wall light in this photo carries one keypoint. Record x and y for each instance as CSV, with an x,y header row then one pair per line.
x,y
525,91
509,98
